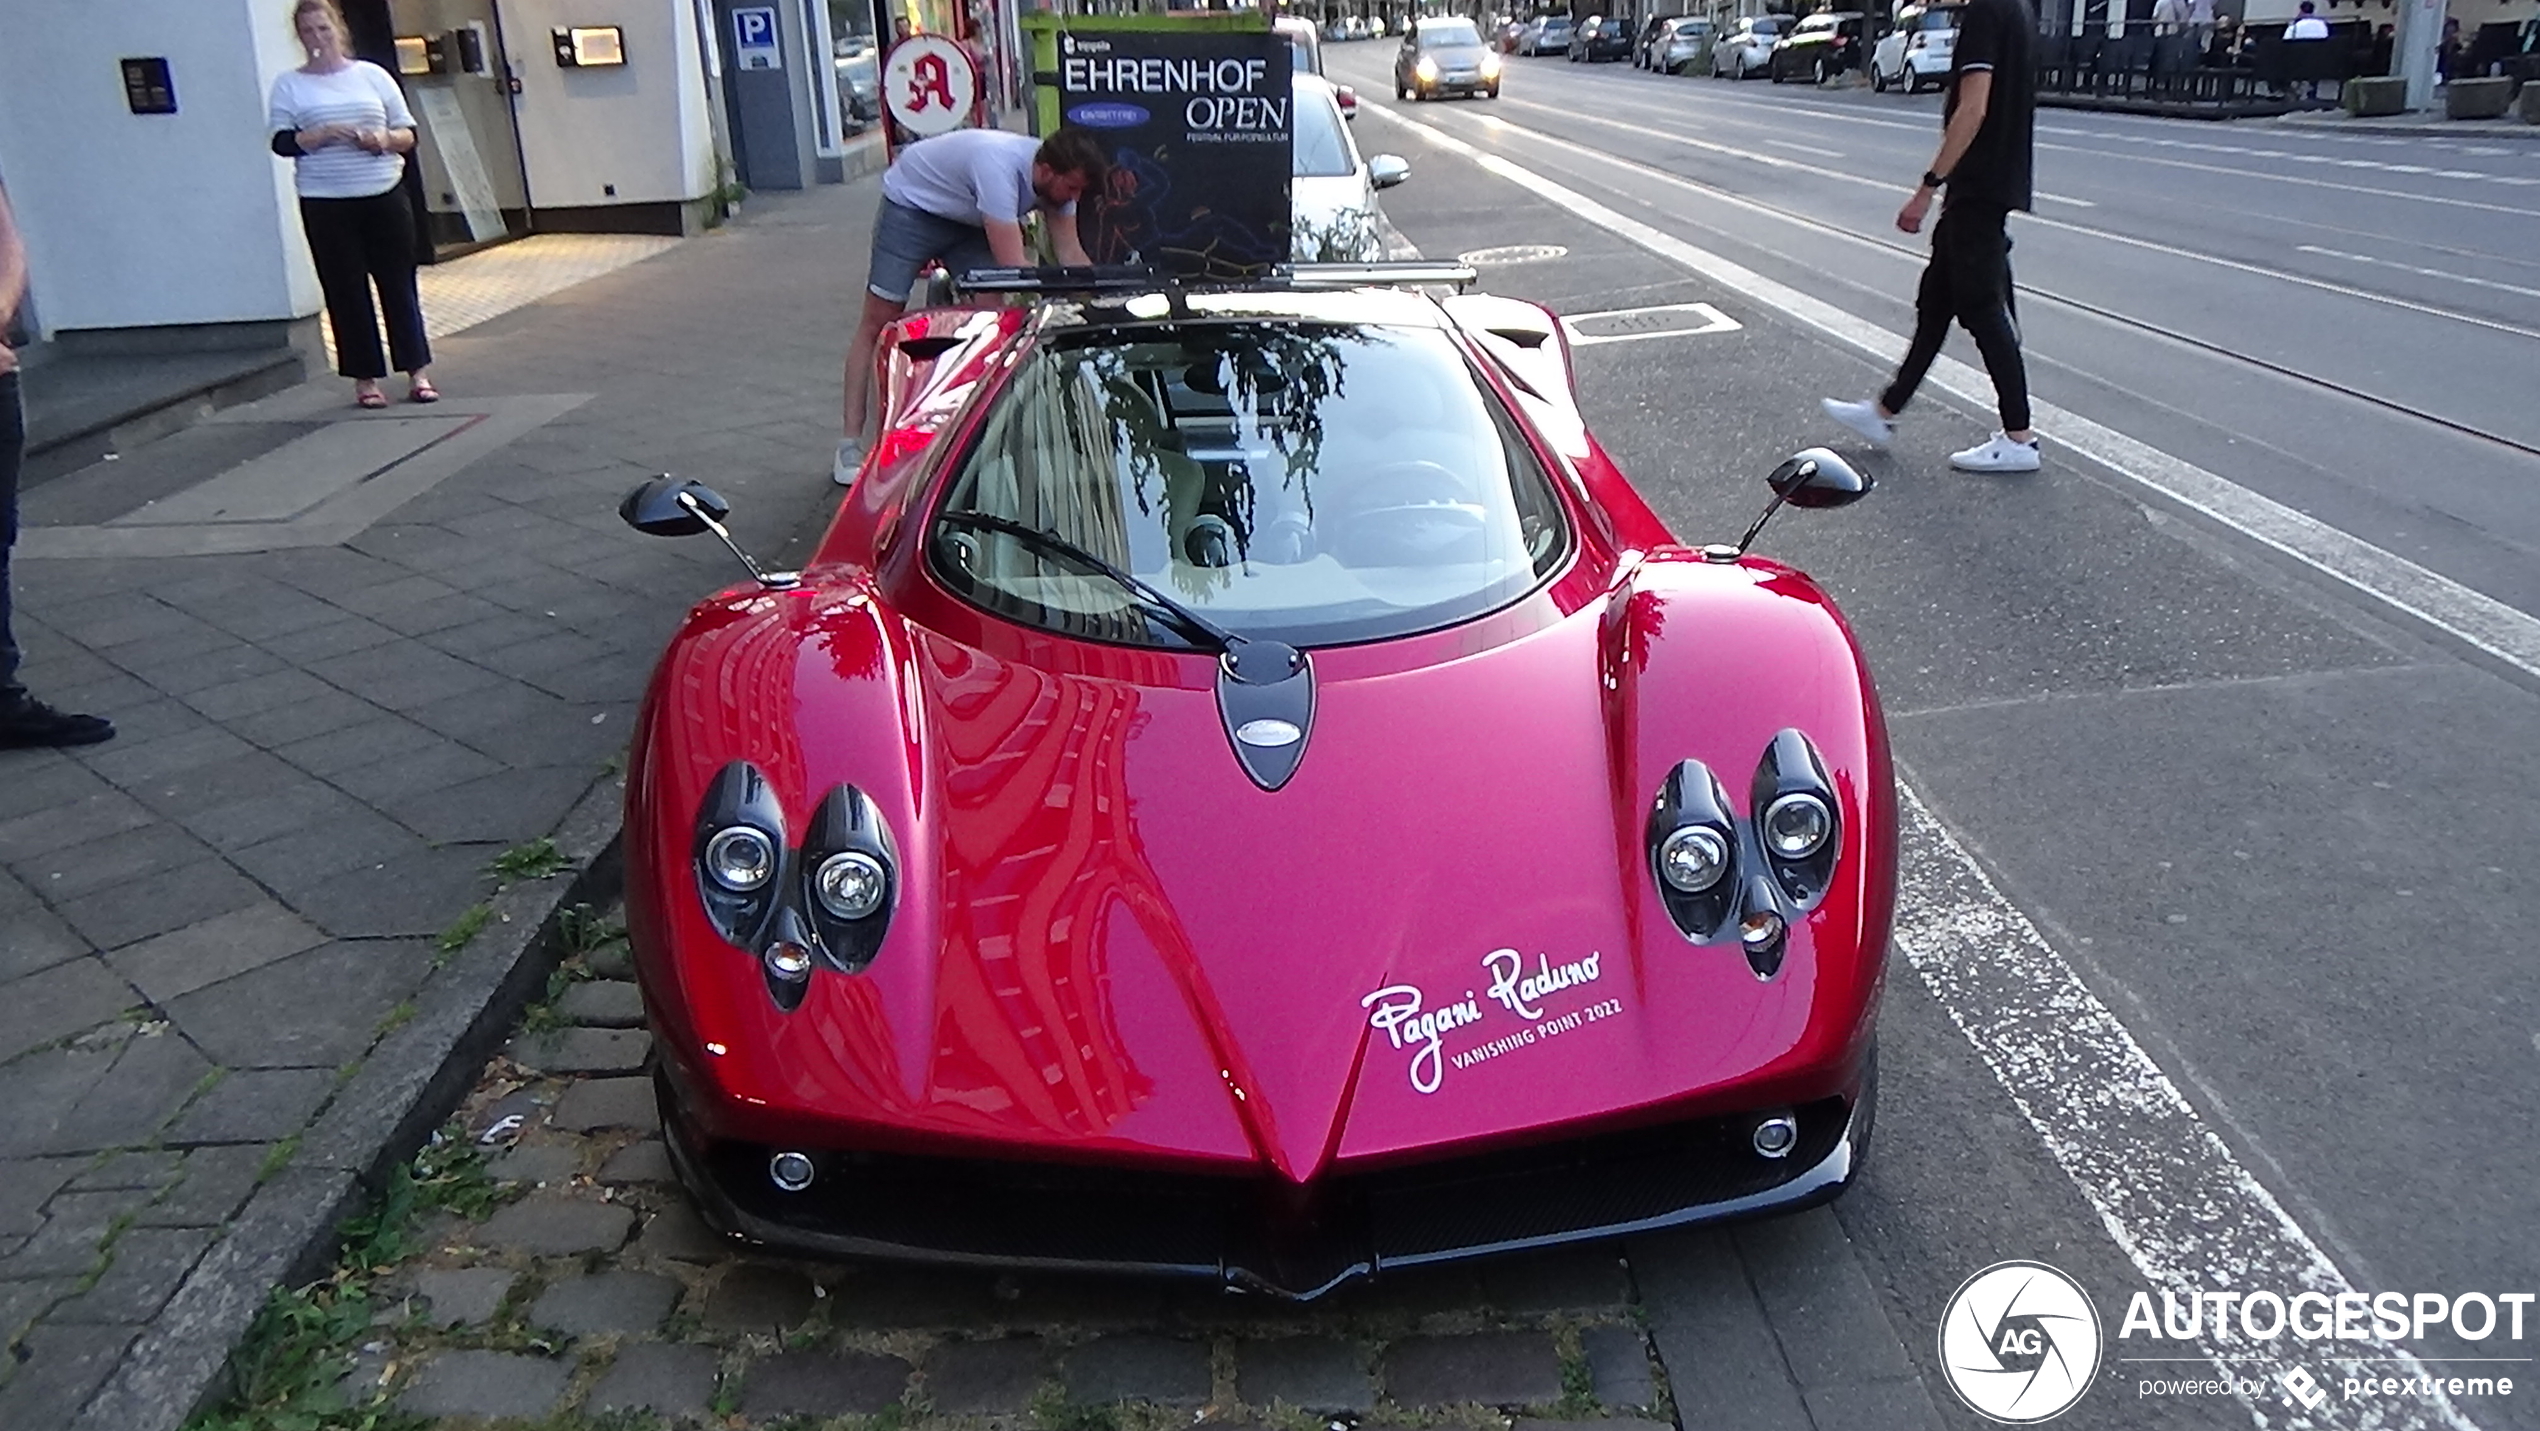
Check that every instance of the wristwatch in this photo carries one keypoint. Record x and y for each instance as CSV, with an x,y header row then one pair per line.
x,y
1934,181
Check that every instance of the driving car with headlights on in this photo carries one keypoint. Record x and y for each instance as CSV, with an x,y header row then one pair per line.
x,y
1444,55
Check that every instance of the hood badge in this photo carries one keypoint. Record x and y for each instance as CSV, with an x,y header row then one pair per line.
x,y
1269,732
1265,698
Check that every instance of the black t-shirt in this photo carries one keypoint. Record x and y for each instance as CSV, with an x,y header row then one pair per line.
x,y
1997,35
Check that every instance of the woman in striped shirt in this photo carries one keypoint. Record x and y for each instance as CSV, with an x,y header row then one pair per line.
x,y
344,124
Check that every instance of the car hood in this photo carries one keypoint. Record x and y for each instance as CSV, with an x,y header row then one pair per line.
x,y
1333,218
1107,941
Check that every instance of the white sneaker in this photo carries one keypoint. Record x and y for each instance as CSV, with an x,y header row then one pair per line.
x,y
842,468
1863,418
1998,453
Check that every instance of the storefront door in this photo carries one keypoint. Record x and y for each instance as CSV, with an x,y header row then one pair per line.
x,y
451,59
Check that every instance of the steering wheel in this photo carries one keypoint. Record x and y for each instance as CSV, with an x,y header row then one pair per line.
x,y
1410,513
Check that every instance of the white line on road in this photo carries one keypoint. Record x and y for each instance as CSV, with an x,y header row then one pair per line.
x,y
2412,268
2110,235
2472,617
1805,148
2164,1184
2060,199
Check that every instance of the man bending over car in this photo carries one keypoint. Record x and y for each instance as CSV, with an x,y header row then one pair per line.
x,y
960,198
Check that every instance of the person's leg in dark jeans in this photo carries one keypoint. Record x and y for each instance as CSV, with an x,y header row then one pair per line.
x,y
1967,281
24,720
336,243
388,243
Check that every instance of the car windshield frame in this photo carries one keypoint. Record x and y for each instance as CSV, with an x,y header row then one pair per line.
x,y
1401,546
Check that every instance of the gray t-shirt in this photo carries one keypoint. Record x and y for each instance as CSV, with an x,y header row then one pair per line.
x,y
968,175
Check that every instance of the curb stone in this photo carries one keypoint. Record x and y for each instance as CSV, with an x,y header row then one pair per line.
x,y
407,1086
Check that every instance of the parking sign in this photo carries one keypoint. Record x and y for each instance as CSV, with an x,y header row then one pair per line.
x,y
754,38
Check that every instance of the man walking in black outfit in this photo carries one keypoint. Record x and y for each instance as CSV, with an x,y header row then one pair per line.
x,y
1984,166
24,720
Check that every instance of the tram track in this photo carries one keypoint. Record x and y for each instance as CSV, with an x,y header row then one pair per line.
x,y
2099,312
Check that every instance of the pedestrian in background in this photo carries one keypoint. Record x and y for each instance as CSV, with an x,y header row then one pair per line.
x,y
1986,151
2307,26
24,720
2200,28
2169,26
344,125
960,199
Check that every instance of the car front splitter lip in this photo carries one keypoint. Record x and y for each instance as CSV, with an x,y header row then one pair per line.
x,y
1821,1181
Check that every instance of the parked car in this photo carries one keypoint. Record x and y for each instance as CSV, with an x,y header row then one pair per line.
x,y
1550,35
1678,44
1917,51
1819,47
859,68
1305,48
1601,37
1747,49
1085,860
1331,188
1444,56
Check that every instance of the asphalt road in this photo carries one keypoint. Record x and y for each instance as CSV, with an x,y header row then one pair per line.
x,y
2273,833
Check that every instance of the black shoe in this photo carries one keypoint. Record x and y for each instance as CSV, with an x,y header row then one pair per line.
x,y
33,723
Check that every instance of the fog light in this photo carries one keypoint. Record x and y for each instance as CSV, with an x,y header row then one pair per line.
x,y
851,884
1760,932
1774,1137
788,960
792,1172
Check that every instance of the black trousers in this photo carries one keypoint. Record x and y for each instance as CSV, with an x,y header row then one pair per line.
x,y
358,243
12,453
1968,280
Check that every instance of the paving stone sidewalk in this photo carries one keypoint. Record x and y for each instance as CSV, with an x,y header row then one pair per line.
x,y
555,1268
208,925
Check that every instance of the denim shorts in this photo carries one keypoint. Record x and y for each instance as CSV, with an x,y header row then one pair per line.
x,y
905,239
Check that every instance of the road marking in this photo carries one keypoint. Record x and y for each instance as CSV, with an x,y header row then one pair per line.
x,y
2060,199
2471,617
1805,148
2412,268
2165,1185
1650,322
2110,235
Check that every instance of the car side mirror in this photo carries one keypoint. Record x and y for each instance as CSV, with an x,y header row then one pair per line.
x,y
1813,478
1387,170
1818,478
655,509
668,506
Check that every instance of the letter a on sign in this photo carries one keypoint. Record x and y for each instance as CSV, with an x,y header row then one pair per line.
x,y
929,85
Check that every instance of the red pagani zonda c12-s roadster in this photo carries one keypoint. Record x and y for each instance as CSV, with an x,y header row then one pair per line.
x,y
1245,789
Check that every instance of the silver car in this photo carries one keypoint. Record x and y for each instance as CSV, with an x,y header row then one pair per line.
x,y
1748,49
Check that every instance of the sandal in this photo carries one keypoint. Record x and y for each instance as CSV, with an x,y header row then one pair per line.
x,y
423,391
374,398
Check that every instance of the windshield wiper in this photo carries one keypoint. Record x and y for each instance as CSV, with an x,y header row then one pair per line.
x,y
1191,624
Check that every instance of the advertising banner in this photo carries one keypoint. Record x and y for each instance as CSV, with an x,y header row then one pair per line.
x,y
1197,125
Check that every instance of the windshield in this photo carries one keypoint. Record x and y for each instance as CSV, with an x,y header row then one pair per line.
x,y
1320,148
1311,483
1449,32
1938,20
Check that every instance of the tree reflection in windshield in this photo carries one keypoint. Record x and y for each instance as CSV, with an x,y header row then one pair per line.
x,y
1285,478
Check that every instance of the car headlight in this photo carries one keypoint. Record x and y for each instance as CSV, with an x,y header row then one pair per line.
x,y
1797,825
740,858
851,884
1426,69
850,871
1796,820
1490,65
1693,851
738,852
1693,859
